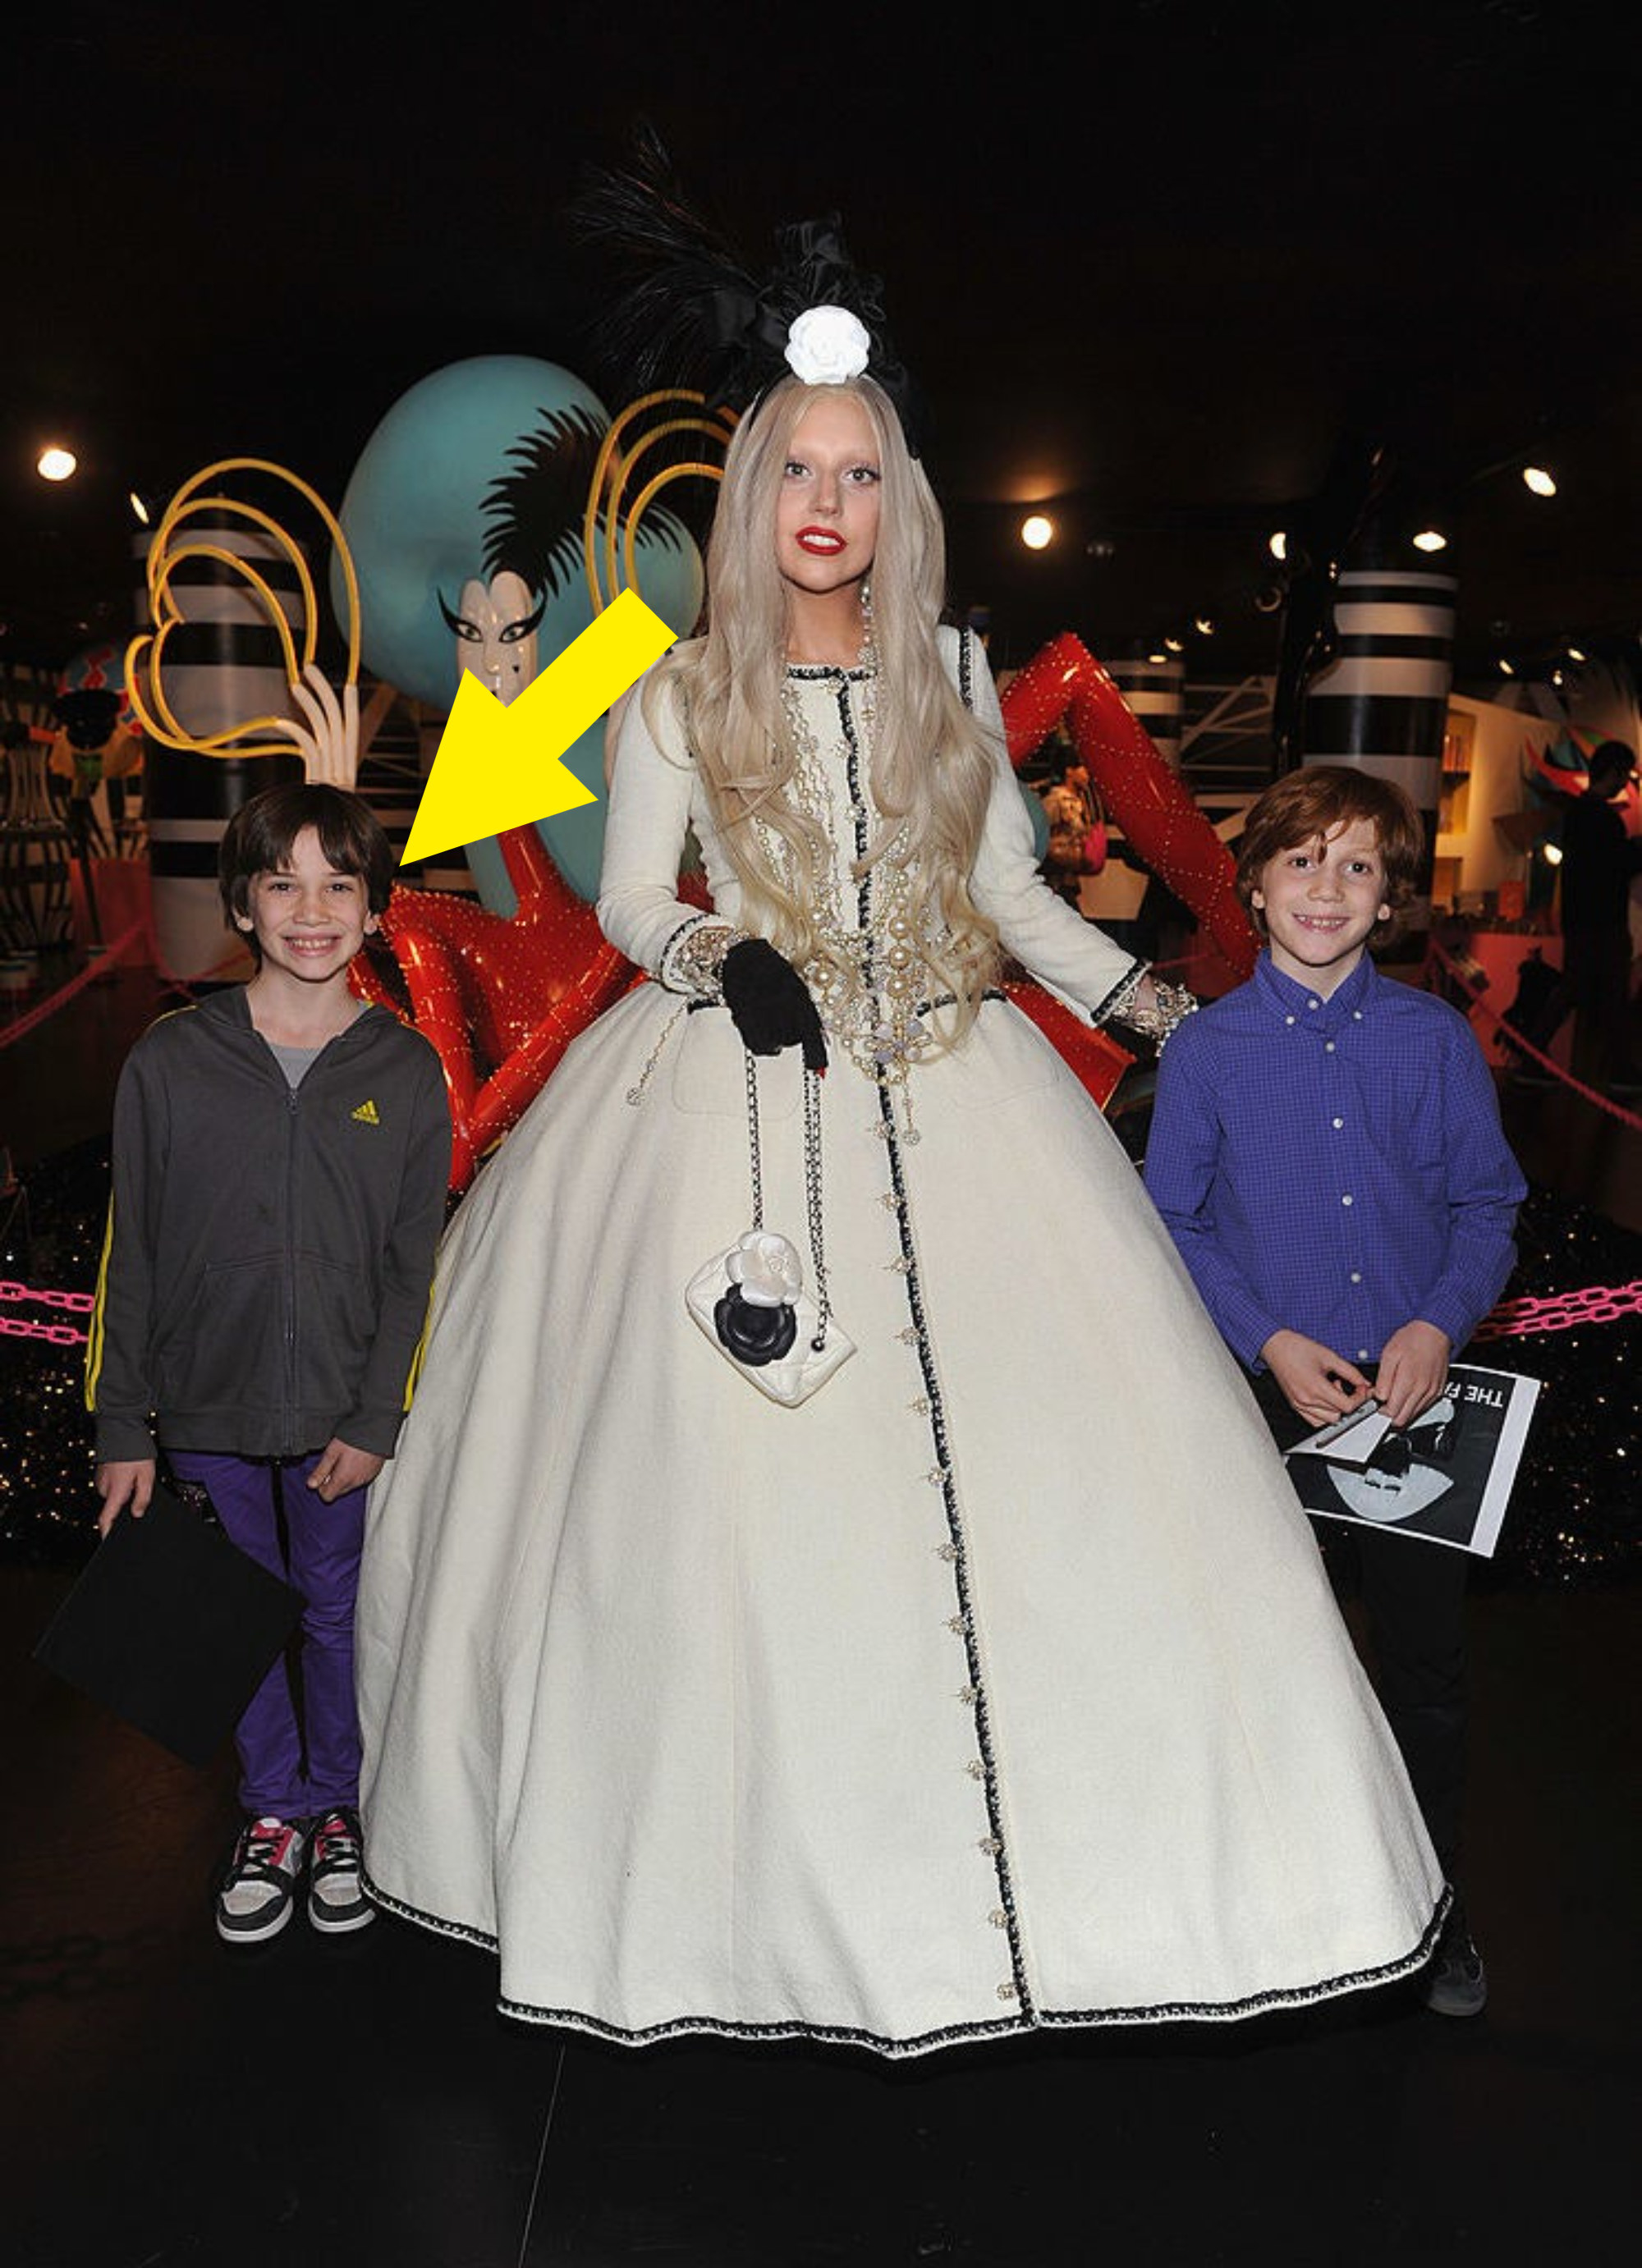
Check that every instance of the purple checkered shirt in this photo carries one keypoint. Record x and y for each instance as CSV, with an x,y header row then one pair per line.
x,y
1334,1167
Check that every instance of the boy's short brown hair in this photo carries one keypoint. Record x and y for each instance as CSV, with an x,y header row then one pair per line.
x,y
1305,806
260,837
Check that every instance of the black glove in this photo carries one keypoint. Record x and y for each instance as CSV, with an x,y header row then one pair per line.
x,y
770,1003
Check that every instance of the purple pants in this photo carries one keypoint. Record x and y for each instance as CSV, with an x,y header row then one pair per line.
x,y
294,1765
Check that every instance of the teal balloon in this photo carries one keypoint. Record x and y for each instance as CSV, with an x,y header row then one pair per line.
x,y
412,518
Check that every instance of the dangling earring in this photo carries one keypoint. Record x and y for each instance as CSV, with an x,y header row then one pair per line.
x,y
869,651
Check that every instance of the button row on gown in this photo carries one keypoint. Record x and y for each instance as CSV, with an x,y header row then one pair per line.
x,y
990,1846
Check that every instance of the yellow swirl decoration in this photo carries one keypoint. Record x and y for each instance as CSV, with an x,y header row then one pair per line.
x,y
610,476
144,660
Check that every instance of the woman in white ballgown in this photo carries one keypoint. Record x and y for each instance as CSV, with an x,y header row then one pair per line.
x,y
996,1684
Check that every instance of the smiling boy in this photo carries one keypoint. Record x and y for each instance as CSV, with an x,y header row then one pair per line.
x,y
281,1154
1327,1153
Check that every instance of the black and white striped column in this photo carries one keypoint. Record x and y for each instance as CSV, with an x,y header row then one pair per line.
x,y
223,665
1155,691
1382,702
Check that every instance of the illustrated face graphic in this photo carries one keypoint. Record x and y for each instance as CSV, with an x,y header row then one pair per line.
x,y
1322,901
1384,1497
496,632
826,510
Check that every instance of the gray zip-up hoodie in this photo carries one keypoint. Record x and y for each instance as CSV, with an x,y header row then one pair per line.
x,y
266,1273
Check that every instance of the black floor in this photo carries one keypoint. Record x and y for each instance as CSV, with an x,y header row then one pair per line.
x,y
356,2103
334,2102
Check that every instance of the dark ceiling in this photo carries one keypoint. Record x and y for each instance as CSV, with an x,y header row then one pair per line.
x,y
1179,274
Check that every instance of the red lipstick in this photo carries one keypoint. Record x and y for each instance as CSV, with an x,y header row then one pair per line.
x,y
825,543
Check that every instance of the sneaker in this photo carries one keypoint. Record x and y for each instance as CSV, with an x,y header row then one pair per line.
x,y
259,1888
336,1898
1456,1984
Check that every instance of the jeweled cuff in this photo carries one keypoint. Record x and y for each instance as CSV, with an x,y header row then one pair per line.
x,y
692,960
1114,1004
1172,1004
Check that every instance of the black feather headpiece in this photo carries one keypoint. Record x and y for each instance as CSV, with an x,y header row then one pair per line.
x,y
687,310
534,508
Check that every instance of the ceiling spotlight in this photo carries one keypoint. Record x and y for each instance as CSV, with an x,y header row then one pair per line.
x,y
1431,538
1574,654
1174,645
1556,677
1157,659
1278,544
1037,532
1552,852
1536,477
139,508
1203,627
56,463
1100,547
1506,669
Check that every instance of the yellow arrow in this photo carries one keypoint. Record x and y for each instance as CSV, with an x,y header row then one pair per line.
x,y
499,766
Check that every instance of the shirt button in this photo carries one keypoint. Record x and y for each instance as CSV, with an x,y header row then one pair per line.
x,y
1357,1275
1336,1124
1345,1200
1314,1004
1357,1015
1362,1354
1328,1047
1288,1019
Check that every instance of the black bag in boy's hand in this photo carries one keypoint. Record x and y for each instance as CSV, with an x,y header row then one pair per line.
x,y
171,1627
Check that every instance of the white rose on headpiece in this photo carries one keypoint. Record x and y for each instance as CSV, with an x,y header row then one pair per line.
x,y
766,1268
827,345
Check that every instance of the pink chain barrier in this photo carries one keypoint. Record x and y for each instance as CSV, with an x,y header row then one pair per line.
x,y
23,1327
1563,1311
60,1334
1603,1102
81,1302
36,1015
53,1001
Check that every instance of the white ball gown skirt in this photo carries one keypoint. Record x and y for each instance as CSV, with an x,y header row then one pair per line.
x,y
998,1686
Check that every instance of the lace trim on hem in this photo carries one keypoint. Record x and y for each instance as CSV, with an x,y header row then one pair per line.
x,y
1166,2012
435,1923
1257,2004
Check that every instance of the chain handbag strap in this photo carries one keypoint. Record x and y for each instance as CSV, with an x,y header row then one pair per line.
x,y
812,1183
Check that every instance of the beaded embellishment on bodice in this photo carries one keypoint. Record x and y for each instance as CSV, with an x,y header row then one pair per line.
x,y
876,975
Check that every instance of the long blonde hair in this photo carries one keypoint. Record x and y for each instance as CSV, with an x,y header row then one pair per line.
x,y
932,765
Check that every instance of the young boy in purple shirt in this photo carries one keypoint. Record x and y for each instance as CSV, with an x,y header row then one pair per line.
x,y
1326,1151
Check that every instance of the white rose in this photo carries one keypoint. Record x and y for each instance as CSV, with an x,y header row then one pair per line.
x,y
766,1268
827,345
